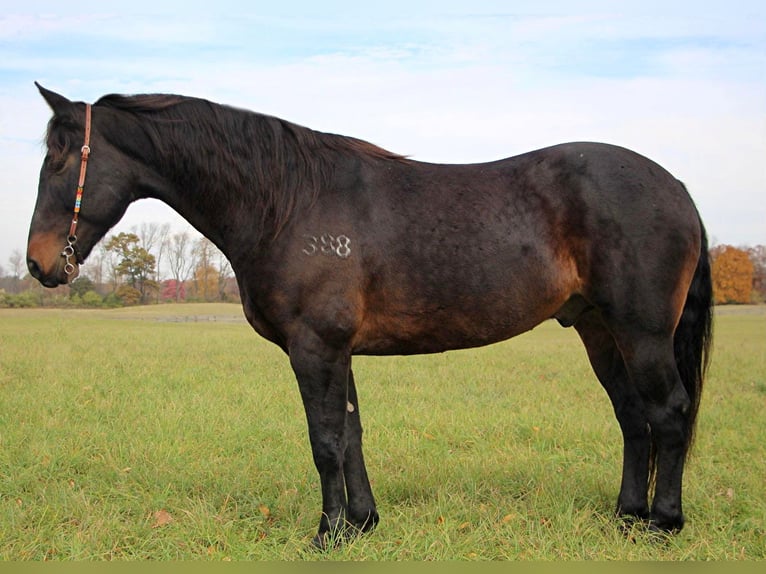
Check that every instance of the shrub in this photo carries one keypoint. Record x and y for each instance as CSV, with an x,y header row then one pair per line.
x,y
92,299
20,301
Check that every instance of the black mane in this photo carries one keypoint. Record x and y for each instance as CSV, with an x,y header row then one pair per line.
x,y
279,166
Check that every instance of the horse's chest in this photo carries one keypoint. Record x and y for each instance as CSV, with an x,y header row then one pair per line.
x,y
260,323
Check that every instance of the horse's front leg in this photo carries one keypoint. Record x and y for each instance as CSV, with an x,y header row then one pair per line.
x,y
362,513
323,375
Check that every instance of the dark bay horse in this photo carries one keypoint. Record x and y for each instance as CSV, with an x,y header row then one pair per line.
x,y
342,248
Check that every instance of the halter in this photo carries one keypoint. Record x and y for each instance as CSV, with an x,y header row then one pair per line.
x,y
70,250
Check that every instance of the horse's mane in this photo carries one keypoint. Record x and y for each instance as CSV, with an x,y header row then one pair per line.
x,y
279,165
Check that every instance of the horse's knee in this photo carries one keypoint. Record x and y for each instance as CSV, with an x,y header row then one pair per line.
x,y
327,449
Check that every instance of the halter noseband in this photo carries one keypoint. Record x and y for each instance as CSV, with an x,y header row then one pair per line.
x,y
70,250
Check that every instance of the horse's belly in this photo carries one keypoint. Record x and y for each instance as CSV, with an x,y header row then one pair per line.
x,y
439,330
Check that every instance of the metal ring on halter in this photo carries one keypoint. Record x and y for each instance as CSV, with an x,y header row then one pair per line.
x,y
69,252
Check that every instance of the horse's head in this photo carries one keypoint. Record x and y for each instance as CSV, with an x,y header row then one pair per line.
x,y
57,246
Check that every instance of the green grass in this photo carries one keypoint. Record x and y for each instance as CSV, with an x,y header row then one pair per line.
x,y
175,432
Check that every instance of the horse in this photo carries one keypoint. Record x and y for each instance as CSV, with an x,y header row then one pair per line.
x,y
342,248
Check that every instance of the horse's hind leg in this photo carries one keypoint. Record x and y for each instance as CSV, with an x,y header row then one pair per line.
x,y
651,366
629,409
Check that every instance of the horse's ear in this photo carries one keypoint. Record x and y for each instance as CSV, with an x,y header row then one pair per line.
x,y
58,103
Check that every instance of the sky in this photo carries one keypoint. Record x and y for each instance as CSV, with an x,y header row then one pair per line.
x,y
681,82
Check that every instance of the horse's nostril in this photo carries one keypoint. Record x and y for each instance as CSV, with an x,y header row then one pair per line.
x,y
34,268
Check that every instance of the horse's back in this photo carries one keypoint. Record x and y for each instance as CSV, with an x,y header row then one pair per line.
x,y
471,254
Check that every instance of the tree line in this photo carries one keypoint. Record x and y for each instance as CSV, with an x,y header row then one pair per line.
x,y
149,264
152,264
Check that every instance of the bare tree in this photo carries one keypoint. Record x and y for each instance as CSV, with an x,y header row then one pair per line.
x,y
95,267
758,257
162,243
180,260
147,234
153,238
17,262
110,262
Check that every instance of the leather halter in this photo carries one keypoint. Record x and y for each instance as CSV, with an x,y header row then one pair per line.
x,y
70,250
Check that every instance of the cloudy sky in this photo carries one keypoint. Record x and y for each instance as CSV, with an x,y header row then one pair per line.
x,y
683,82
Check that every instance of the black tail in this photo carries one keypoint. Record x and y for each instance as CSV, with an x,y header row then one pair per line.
x,y
693,337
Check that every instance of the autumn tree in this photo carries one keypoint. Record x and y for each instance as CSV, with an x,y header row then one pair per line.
x,y
732,272
136,265
205,280
224,273
173,290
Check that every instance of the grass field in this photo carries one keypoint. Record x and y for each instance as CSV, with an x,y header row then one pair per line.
x,y
175,432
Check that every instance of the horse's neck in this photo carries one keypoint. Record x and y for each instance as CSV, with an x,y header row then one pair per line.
x,y
221,207
201,204
245,197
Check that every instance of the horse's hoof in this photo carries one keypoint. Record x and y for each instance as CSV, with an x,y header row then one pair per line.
x,y
319,542
365,524
666,527
327,541
330,539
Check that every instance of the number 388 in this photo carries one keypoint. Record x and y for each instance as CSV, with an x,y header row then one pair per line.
x,y
332,245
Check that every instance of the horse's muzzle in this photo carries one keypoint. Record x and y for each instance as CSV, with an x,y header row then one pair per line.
x,y
45,261
48,280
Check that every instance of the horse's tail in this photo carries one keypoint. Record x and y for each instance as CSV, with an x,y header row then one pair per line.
x,y
693,337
